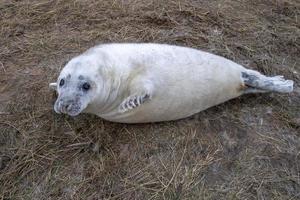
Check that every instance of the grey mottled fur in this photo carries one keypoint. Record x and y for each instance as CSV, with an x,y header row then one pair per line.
x,y
259,83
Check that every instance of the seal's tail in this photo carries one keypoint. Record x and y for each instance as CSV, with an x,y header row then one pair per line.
x,y
258,82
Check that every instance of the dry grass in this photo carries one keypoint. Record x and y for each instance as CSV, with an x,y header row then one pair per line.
x,y
247,148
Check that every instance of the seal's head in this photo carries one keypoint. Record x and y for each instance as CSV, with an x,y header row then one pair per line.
x,y
78,85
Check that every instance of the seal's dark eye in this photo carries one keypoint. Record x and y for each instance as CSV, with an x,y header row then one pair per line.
x,y
62,82
86,86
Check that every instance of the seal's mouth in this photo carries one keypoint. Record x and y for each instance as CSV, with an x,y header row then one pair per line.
x,y
71,108
73,113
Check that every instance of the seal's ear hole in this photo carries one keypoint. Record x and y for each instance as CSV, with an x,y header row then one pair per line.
x,y
86,86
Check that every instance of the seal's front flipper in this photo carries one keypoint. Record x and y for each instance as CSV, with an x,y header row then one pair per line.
x,y
133,101
141,90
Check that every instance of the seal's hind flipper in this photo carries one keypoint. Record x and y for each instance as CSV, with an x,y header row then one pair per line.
x,y
133,101
258,82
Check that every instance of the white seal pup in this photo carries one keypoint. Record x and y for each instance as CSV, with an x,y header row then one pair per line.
x,y
138,83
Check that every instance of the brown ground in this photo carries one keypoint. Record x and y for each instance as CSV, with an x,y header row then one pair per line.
x,y
247,148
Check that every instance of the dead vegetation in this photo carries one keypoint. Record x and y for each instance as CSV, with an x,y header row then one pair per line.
x,y
247,148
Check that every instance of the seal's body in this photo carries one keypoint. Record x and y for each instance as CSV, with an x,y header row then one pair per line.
x,y
136,83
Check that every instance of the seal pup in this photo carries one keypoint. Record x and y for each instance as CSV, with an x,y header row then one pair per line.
x,y
138,83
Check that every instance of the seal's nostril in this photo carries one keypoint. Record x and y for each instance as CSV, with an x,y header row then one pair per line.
x,y
68,107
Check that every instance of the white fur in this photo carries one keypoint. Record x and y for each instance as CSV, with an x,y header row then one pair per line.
x,y
137,83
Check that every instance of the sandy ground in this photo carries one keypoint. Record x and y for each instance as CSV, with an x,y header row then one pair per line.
x,y
247,148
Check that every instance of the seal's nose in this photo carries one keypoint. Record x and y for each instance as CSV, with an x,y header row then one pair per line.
x,y
67,106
